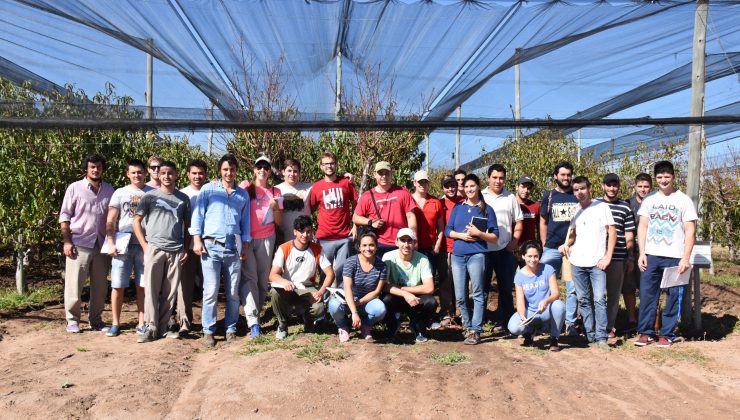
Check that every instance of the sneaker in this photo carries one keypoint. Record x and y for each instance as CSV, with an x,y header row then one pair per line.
x,y
602,344
230,336
435,325
643,340
528,340
421,338
113,331
255,331
209,341
612,333
175,335
99,326
140,329
663,342
343,335
554,345
73,328
571,331
281,333
366,332
184,332
473,338
147,337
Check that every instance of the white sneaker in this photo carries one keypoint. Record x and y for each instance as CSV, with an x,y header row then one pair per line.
x,y
280,334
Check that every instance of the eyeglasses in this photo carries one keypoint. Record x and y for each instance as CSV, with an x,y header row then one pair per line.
x,y
406,240
328,163
154,167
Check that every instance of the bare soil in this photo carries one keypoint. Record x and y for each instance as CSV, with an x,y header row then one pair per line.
x,y
48,373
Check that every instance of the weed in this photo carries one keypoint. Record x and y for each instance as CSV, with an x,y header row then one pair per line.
x,y
35,299
450,358
317,351
82,349
662,356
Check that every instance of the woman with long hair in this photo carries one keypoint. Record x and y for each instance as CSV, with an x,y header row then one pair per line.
x,y
538,306
265,213
472,225
364,277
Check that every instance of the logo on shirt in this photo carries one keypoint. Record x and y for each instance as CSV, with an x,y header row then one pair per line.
x,y
333,198
168,207
664,220
129,207
563,212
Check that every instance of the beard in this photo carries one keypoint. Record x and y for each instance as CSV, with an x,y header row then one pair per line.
x,y
563,186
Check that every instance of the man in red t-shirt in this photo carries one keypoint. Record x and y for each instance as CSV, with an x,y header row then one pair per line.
x,y
446,287
392,211
530,209
334,197
430,220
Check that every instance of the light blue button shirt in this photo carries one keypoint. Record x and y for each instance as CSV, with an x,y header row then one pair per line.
x,y
220,215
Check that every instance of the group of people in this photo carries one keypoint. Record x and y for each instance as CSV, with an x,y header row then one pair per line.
x,y
384,256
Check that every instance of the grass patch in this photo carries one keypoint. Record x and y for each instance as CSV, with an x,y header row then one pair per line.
x,y
82,349
450,358
315,348
267,342
10,299
662,356
721,279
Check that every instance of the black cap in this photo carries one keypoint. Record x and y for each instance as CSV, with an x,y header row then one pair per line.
x,y
611,177
525,180
448,179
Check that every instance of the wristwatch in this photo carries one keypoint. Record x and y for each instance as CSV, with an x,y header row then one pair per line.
x,y
370,222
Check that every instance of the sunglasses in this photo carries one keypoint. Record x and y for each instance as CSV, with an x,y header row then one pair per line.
x,y
262,167
154,167
406,240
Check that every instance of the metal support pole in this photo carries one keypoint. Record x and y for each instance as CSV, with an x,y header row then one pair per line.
x,y
149,85
579,145
517,96
426,139
210,134
693,182
338,98
457,139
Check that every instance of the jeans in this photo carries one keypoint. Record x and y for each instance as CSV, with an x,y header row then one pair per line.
x,y
435,260
474,266
446,287
552,257
419,315
336,252
590,285
370,313
551,319
503,263
650,295
121,266
217,261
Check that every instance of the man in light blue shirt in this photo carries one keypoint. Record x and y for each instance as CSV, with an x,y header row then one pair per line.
x,y
221,237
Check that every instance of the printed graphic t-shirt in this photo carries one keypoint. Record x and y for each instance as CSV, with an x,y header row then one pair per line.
x,y
666,214
334,200
165,216
536,288
126,200
562,208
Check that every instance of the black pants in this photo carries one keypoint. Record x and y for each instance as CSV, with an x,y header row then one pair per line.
x,y
419,315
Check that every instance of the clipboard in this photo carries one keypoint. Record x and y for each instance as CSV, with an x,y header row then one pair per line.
x,y
671,277
122,240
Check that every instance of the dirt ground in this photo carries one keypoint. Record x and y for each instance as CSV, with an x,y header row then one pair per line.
x,y
48,373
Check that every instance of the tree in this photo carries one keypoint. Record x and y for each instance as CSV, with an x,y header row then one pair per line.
x,y
721,203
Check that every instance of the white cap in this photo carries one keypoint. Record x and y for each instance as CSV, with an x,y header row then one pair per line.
x,y
406,232
263,158
419,175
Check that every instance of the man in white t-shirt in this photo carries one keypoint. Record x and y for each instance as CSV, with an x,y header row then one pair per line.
x,y
293,278
500,256
121,210
192,276
589,246
665,237
295,197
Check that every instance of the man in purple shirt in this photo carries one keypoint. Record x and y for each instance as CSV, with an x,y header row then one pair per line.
x,y
82,219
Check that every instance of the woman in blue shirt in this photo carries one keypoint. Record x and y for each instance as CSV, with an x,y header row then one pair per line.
x,y
537,296
364,277
472,225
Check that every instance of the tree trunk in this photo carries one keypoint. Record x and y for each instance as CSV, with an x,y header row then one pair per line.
x,y
20,271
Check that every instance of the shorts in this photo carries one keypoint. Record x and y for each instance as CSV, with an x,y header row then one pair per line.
x,y
121,265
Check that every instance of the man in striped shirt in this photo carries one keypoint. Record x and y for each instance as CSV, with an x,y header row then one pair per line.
x,y
622,260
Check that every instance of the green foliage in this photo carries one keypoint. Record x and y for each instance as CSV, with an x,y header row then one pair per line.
x,y
627,166
450,358
720,220
10,299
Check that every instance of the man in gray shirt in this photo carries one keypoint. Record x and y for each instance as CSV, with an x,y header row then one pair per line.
x,y
166,212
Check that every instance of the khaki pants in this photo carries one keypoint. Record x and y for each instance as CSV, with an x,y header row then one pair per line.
x,y
255,274
282,301
161,279
88,262
614,280
190,270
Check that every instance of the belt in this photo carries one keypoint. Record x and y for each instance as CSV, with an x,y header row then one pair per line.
x,y
214,241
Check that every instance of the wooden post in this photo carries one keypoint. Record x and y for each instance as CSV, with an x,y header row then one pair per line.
x,y
149,85
695,130
457,139
517,96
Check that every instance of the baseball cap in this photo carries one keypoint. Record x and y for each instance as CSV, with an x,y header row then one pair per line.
x,y
448,179
263,158
611,177
406,232
420,175
525,180
382,165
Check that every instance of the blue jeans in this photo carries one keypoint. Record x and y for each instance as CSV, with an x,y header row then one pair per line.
x,y
650,295
121,265
590,285
551,319
370,313
475,266
336,252
552,257
503,263
218,261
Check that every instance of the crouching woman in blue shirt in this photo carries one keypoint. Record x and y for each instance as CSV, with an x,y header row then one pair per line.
x,y
472,225
537,296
